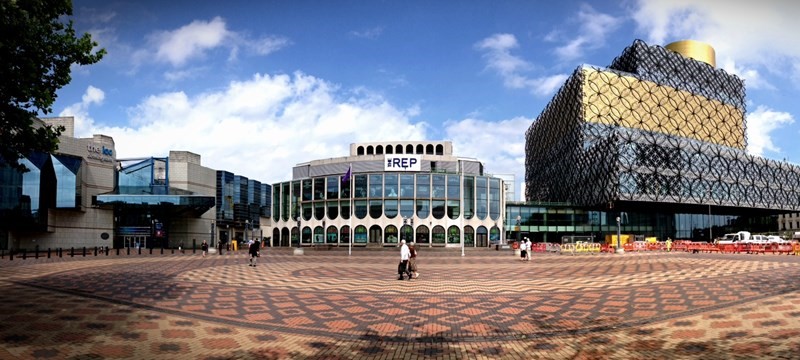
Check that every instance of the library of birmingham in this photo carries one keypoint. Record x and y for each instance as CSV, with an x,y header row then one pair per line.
x,y
652,145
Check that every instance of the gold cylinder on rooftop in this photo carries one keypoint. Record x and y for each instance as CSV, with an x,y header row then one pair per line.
x,y
697,50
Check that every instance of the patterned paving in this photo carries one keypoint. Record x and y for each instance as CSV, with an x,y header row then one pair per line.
x,y
331,305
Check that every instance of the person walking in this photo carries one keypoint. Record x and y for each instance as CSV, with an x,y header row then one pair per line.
x,y
180,247
528,249
669,244
412,261
204,247
405,254
523,250
255,252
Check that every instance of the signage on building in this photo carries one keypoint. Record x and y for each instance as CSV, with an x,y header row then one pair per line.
x,y
99,152
402,163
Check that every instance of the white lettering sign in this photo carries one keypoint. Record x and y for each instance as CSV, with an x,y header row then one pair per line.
x,y
402,163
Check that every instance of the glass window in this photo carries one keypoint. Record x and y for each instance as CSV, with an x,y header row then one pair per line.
x,y
494,198
331,236
345,209
286,197
306,235
319,189
360,186
439,182
319,237
437,209
423,236
453,235
469,236
344,234
344,187
307,211
423,186
361,208
423,208
453,209
482,203
391,234
68,187
276,203
469,197
375,186
390,185
360,234
438,234
319,210
333,209
391,208
375,209
453,187
406,208
407,186
333,187
307,190
295,207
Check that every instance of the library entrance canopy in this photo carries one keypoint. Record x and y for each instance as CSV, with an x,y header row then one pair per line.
x,y
174,204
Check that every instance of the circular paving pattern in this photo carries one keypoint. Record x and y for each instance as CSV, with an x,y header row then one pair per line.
x,y
455,299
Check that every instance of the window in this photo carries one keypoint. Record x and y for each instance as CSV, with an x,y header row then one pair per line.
x,y
423,208
494,198
360,189
438,209
453,235
307,190
390,208
407,186
469,197
453,187
361,208
333,187
453,209
375,209
390,185
423,186
406,208
333,209
375,186
482,203
319,189
438,186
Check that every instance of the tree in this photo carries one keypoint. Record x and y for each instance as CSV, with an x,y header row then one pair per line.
x,y
36,51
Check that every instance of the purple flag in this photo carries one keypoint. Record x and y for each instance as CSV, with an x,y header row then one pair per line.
x,y
346,176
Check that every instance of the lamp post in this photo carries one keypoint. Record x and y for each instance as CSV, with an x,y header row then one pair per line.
x,y
213,235
619,235
461,230
710,225
519,230
246,227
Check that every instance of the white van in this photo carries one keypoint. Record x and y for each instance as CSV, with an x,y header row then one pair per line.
x,y
735,238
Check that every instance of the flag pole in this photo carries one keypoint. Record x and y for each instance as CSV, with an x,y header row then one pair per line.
x,y
350,218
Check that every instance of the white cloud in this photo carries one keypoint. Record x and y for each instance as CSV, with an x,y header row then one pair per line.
x,y
762,122
80,111
370,34
500,145
189,41
262,127
593,27
497,52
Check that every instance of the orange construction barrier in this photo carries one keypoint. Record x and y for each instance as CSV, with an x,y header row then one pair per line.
x,y
538,247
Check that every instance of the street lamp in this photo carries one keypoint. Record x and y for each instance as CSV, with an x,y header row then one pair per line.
x,y
710,225
213,235
519,230
246,227
620,219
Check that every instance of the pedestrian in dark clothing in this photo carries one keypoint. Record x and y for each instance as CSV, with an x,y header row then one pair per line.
x,y
204,247
255,252
412,261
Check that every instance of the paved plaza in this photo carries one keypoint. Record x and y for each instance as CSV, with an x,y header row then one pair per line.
x,y
328,305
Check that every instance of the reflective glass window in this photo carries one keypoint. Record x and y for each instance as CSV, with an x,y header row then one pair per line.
x,y
319,189
285,200
453,235
423,186
423,208
375,209
469,197
307,190
375,186
453,187
439,184
407,186
360,209
331,236
319,210
333,187
344,187
360,234
406,208
295,199
391,234
482,197
30,186
319,237
390,208
345,210
276,203
390,185
67,172
308,211
360,189
494,198
423,236
437,209
453,209
333,209
438,234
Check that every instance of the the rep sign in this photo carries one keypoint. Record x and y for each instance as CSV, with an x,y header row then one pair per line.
x,y
402,163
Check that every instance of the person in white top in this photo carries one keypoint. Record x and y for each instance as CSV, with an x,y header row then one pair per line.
x,y
404,255
528,247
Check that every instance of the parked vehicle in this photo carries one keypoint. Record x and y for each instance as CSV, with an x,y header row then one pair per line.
x,y
775,239
755,239
735,238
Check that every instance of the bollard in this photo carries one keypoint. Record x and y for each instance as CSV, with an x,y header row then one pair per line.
x,y
48,253
151,251
140,250
2,254
95,251
84,251
194,245
71,251
173,251
129,250
117,251
10,255
162,251
24,254
36,254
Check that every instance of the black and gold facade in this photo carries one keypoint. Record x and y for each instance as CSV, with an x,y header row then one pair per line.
x,y
654,126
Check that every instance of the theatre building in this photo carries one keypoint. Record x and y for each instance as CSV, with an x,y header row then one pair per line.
x,y
384,192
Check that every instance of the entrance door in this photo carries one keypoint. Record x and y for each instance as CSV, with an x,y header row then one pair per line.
x,y
375,235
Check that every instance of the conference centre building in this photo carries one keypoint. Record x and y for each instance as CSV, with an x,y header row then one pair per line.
x,y
385,192
652,145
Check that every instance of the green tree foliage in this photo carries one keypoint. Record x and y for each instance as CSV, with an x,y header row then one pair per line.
x,y
37,48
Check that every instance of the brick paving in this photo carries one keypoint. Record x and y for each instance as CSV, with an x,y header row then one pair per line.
x,y
326,304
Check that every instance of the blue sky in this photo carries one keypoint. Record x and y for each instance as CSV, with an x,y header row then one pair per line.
x,y
256,87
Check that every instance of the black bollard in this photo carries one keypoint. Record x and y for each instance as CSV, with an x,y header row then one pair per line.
x,y
140,250
48,253
117,251
10,255
162,251
95,251
71,252
194,245
24,254
107,249
151,251
129,250
84,251
36,254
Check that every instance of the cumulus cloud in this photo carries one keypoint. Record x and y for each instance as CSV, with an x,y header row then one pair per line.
x,y
497,52
762,122
263,126
180,45
593,27
500,145
84,123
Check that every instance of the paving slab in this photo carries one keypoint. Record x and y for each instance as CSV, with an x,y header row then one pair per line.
x,y
328,304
